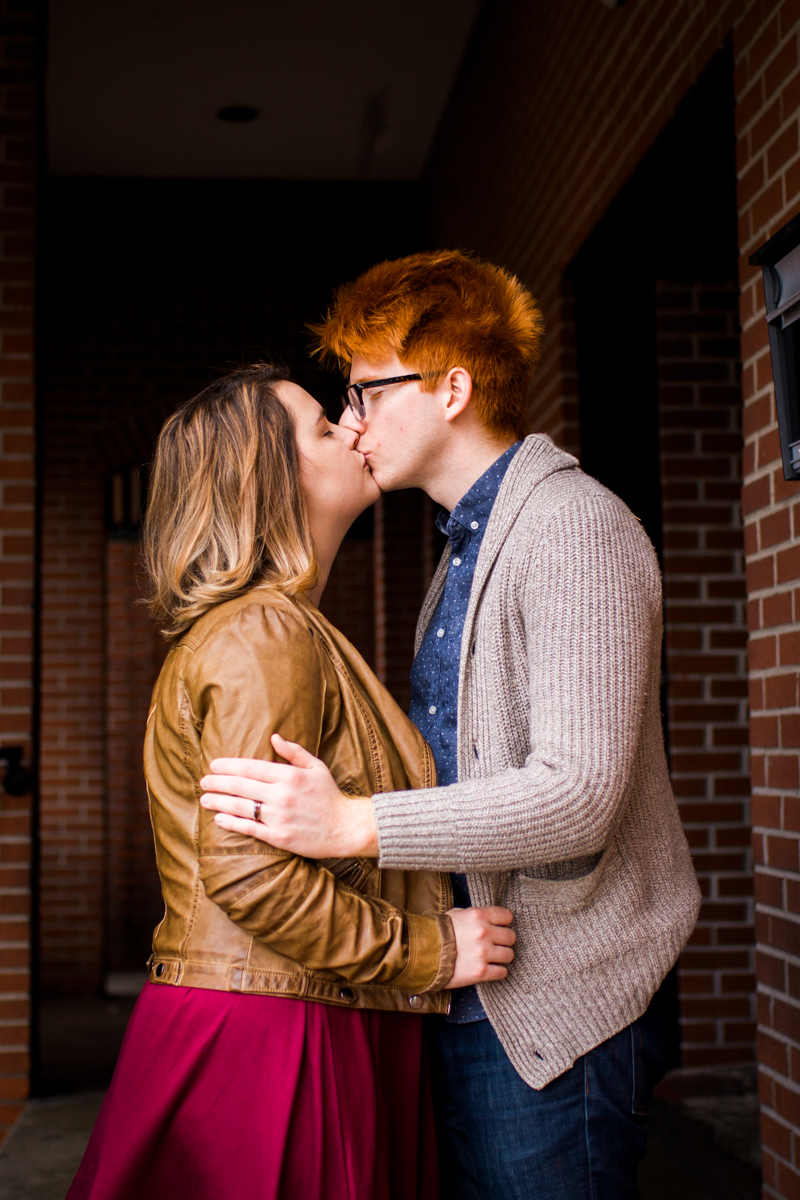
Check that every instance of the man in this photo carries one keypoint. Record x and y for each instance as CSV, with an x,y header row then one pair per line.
x,y
536,681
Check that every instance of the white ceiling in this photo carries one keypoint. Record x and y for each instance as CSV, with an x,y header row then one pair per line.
x,y
346,89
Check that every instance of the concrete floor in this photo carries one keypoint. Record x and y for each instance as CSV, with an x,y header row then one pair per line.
x,y
39,1159
703,1144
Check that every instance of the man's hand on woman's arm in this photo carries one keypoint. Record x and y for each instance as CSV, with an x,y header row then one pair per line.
x,y
302,809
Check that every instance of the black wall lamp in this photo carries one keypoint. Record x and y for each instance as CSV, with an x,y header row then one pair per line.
x,y
779,259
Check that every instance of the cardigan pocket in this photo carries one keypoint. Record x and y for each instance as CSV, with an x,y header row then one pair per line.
x,y
573,890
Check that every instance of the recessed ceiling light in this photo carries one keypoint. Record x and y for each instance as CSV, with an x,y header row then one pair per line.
x,y
237,113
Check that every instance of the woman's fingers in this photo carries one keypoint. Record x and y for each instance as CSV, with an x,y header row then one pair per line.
x,y
501,954
498,915
494,973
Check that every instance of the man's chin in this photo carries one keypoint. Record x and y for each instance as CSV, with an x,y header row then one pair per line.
x,y
386,481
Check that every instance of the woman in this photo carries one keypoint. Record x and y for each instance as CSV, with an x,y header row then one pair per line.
x,y
276,1050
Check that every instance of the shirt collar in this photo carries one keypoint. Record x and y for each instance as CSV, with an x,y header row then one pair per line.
x,y
474,508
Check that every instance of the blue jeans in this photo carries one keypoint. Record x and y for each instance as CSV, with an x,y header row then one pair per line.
x,y
579,1138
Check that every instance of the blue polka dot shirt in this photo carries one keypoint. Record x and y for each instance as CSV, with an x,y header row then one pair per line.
x,y
434,674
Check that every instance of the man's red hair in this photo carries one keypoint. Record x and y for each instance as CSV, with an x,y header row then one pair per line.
x,y
437,310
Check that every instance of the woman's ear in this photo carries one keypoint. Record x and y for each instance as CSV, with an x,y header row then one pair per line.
x,y
458,384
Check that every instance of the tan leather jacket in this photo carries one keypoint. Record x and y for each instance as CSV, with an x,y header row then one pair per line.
x,y
241,915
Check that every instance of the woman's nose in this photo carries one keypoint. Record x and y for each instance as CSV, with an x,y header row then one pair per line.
x,y
349,421
349,435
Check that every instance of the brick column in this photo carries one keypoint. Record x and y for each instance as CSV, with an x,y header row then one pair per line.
x,y
768,83
706,636
18,97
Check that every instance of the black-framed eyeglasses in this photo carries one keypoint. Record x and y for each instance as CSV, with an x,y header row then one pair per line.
x,y
354,399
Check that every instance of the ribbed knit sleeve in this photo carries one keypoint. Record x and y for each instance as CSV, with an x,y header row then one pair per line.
x,y
559,667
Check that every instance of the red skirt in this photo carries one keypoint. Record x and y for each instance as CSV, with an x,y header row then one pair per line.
x,y
224,1096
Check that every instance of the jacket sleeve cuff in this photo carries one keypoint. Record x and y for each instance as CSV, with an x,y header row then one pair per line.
x,y
447,953
416,830
431,953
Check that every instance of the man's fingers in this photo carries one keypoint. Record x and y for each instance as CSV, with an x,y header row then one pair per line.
x,y
220,790
248,768
503,936
238,825
494,972
294,753
234,806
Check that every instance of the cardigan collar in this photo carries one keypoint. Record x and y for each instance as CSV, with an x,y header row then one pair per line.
x,y
537,458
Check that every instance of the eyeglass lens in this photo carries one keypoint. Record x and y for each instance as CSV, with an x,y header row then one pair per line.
x,y
353,400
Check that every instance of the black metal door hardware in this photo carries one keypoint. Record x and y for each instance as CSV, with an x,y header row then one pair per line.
x,y
17,780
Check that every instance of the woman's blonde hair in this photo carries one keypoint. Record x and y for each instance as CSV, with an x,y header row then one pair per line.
x,y
225,511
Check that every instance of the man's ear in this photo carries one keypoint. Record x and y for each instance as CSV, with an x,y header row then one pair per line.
x,y
458,385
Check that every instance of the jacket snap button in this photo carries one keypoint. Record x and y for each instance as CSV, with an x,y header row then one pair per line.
x,y
347,994
415,1001
160,970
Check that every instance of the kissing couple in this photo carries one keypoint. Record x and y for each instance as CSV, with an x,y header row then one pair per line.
x,y
402,956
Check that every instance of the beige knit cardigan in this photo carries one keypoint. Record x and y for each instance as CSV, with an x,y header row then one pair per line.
x,y
563,809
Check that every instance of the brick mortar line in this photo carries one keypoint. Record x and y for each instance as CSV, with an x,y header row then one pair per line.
x,y
787,123
778,218
775,589
783,956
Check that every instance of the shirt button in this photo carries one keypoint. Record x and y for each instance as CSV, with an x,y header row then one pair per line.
x,y
440,633
432,710
415,1001
456,562
474,525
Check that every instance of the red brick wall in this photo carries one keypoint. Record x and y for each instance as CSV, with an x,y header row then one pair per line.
x,y
73,715
706,635
18,102
766,47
